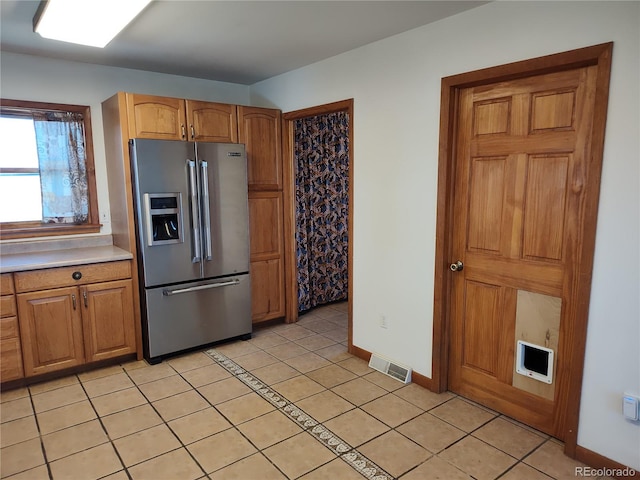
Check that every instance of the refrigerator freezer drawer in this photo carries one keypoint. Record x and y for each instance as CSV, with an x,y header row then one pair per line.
x,y
197,313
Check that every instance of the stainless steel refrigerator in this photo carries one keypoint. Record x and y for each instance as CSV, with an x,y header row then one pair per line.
x,y
193,242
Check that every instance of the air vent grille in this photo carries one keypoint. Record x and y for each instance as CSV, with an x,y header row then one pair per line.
x,y
392,369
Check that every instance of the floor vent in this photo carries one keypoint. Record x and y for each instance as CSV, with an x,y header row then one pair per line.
x,y
394,370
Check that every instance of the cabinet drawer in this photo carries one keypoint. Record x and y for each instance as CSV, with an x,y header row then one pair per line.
x,y
7,306
6,284
10,359
64,276
9,327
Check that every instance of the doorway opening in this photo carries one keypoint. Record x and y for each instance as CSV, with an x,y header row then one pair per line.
x,y
319,213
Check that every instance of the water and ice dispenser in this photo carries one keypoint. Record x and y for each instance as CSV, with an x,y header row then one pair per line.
x,y
163,218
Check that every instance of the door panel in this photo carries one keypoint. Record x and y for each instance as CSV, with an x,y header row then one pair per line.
x,y
226,180
194,314
481,327
161,166
545,205
156,117
212,122
486,204
521,165
108,320
259,130
51,330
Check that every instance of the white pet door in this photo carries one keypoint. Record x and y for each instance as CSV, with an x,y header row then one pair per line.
x,y
534,361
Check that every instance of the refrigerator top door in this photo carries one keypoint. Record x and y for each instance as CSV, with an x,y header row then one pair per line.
x,y
224,207
169,240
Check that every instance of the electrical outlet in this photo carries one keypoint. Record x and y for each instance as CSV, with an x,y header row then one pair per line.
x,y
383,321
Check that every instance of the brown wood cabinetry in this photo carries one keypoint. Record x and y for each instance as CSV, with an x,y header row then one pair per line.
x,y
130,115
10,351
267,268
167,118
89,317
212,122
51,330
259,130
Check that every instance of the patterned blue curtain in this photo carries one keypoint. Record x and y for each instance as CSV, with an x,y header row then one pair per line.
x,y
321,149
63,174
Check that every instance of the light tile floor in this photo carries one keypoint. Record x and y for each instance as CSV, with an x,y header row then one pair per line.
x,y
289,403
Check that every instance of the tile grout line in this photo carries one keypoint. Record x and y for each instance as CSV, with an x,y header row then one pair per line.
x,y
164,422
104,429
44,452
342,449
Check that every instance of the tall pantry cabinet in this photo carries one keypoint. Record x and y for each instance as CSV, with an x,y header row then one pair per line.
x,y
131,115
259,130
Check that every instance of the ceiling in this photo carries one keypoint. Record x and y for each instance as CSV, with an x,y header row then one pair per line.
x,y
231,41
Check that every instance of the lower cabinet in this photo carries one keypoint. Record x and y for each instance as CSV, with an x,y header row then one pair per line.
x,y
72,325
267,294
10,351
108,320
267,255
51,330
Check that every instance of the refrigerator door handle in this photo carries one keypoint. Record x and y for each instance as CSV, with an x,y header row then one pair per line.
x,y
167,292
195,218
206,210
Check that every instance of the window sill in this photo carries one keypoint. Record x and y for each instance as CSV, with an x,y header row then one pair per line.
x,y
25,230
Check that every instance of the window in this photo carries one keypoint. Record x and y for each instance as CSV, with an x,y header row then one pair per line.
x,y
47,178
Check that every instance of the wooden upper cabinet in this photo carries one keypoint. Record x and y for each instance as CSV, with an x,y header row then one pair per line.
x,y
156,117
212,122
259,130
166,118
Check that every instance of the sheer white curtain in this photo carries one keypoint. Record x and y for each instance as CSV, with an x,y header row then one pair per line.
x,y
63,175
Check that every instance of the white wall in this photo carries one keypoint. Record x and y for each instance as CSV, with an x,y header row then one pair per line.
x,y
395,84
24,77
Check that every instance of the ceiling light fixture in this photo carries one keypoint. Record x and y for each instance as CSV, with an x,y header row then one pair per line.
x,y
92,23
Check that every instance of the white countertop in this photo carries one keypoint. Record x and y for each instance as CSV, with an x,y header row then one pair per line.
x,y
19,262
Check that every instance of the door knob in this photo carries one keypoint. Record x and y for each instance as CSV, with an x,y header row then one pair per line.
x,y
456,267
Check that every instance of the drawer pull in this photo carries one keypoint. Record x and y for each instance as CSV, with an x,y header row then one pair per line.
x,y
76,275
73,299
86,303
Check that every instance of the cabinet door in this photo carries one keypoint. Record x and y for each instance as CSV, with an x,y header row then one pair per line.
x,y
259,130
156,117
267,291
212,122
107,312
10,351
265,225
267,278
51,330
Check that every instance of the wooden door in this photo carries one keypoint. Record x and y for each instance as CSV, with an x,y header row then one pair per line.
x,y
523,159
155,117
51,330
212,122
259,130
267,293
107,314
267,255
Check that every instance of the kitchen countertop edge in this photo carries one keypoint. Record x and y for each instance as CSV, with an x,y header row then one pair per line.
x,y
21,262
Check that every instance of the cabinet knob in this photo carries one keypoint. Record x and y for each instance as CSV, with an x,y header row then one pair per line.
x,y
76,275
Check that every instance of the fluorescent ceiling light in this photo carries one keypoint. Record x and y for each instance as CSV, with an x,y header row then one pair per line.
x,y
92,23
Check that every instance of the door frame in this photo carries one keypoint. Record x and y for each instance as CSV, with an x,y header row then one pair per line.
x,y
291,271
600,56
